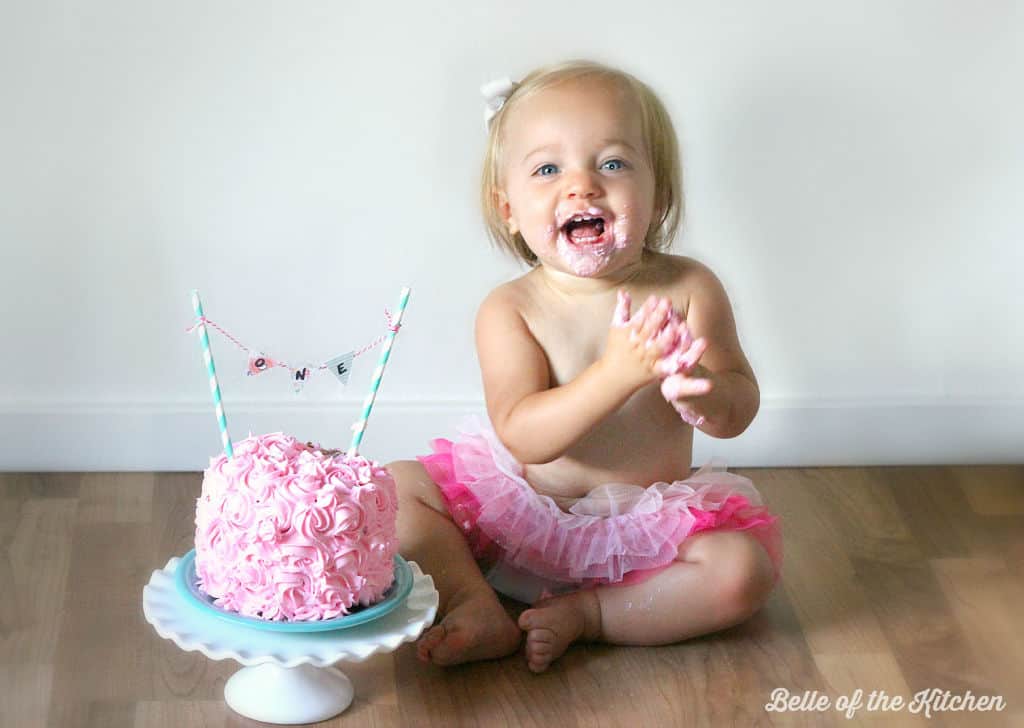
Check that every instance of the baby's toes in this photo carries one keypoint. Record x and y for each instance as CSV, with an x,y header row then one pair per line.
x,y
541,638
539,663
540,648
431,639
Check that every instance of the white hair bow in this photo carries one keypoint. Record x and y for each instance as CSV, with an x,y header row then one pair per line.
x,y
496,93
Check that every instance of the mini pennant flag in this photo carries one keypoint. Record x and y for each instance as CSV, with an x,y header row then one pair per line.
x,y
300,375
259,363
341,366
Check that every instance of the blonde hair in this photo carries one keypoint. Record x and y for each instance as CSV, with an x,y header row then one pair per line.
x,y
659,139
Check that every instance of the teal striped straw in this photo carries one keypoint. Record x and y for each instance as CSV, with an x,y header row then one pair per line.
x,y
360,427
214,386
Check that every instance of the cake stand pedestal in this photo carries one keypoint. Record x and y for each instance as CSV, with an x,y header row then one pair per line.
x,y
287,678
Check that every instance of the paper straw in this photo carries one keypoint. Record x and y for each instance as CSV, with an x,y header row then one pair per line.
x,y
360,427
214,386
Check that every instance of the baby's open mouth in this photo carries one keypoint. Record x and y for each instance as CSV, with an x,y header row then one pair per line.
x,y
584,229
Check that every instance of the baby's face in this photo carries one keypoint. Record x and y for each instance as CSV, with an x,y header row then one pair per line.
x,y
576,181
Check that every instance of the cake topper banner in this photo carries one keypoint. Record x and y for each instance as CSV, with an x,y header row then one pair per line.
x,y
340,366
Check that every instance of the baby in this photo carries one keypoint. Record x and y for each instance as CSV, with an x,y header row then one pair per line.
x,y
573,495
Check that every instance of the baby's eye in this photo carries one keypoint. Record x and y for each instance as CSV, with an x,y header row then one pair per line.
x,y
619,162
542,173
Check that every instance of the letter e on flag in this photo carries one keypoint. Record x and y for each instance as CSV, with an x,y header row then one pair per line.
x,y
341,366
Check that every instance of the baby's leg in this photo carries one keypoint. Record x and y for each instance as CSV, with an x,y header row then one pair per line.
x,y
474,625
719,579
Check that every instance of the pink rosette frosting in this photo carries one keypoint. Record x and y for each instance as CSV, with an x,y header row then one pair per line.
x,y
286,531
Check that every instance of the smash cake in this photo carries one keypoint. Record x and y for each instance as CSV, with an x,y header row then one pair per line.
x,y
288,531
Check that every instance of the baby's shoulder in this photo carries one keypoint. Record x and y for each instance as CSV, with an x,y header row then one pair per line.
x,y
518,296
679,277
509,296
504,307
678,269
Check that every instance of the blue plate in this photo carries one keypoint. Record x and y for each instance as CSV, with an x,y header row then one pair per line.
x,y
185,583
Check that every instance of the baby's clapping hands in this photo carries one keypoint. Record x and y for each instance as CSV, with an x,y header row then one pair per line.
x,y
658,328
635,346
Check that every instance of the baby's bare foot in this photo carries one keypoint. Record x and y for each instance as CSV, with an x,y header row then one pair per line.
x,y
553,624
476,627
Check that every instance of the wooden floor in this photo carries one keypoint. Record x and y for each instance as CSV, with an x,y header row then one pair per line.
x,y
895,579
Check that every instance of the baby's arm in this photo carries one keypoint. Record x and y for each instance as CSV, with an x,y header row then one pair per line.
x,y
734,398
535,421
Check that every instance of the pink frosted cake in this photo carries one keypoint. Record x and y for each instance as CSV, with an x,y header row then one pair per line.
x,y
286,531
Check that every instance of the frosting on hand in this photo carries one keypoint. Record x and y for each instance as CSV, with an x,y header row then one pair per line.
x,y
681,351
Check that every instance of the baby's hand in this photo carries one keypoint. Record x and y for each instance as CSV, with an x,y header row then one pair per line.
x,y
685,393
685,351
635,344
681,351
685,381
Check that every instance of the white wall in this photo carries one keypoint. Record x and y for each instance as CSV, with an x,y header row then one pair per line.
x,y
852,172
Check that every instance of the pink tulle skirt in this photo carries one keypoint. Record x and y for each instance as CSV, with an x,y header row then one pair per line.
x,y
617,534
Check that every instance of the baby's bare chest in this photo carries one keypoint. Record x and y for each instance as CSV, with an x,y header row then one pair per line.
x,y
570,347
574,335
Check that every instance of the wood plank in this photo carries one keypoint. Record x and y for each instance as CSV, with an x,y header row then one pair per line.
x,y
496,692
939,514
109,713
174,515
986,601
870,522
607,688
994,490
867,671
24,693
833,611
792,494
116,498
929,644
766,652
103,627
376,693
174,714
38,559
21,487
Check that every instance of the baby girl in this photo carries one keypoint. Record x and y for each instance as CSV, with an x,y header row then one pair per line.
x,y
575,495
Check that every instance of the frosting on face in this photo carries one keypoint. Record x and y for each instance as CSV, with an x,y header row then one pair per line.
x,y
588,256
286,531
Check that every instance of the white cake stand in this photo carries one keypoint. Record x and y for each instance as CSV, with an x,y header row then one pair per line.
x,y
287,677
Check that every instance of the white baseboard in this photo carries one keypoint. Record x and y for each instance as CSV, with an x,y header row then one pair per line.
x,y
175,437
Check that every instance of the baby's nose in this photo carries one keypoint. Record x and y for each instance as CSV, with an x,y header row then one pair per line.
x,y
582,185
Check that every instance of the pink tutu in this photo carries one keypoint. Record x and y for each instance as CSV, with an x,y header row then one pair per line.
x,y
617,534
